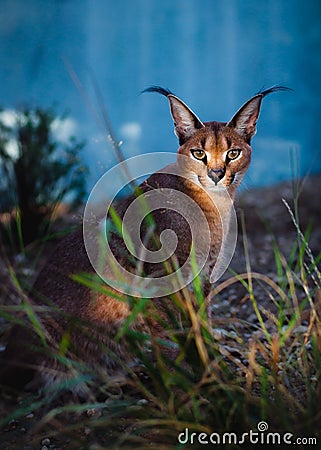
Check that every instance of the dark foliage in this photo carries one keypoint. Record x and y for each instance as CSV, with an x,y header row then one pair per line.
x,y
37,171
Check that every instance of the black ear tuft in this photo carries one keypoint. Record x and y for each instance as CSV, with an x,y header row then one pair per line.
x,y
185,121
273,89
244,121
159,90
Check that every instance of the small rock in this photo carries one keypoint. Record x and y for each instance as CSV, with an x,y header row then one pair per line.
x,y
93,412
301,329
13,423
252,318
45,442
218,334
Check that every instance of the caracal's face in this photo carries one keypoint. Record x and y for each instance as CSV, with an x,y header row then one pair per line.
x,y
217,157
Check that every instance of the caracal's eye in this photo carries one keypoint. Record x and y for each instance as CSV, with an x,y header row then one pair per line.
x,y
198,154
233,154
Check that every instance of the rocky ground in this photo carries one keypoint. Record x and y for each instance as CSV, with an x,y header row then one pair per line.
x,y
266,220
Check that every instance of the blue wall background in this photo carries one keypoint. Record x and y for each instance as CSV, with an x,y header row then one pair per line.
x,y
214,54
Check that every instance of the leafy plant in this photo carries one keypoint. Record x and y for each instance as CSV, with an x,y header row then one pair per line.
x,y
37,170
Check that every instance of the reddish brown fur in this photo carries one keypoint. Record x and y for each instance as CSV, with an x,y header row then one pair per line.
x,y
101,314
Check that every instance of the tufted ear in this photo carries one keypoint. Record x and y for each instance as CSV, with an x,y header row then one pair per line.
x,y
244,121
185,121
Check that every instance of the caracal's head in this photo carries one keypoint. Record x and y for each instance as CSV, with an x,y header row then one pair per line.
x,y
217,153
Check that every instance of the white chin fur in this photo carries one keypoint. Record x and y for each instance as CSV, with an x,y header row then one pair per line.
x,y
209,184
